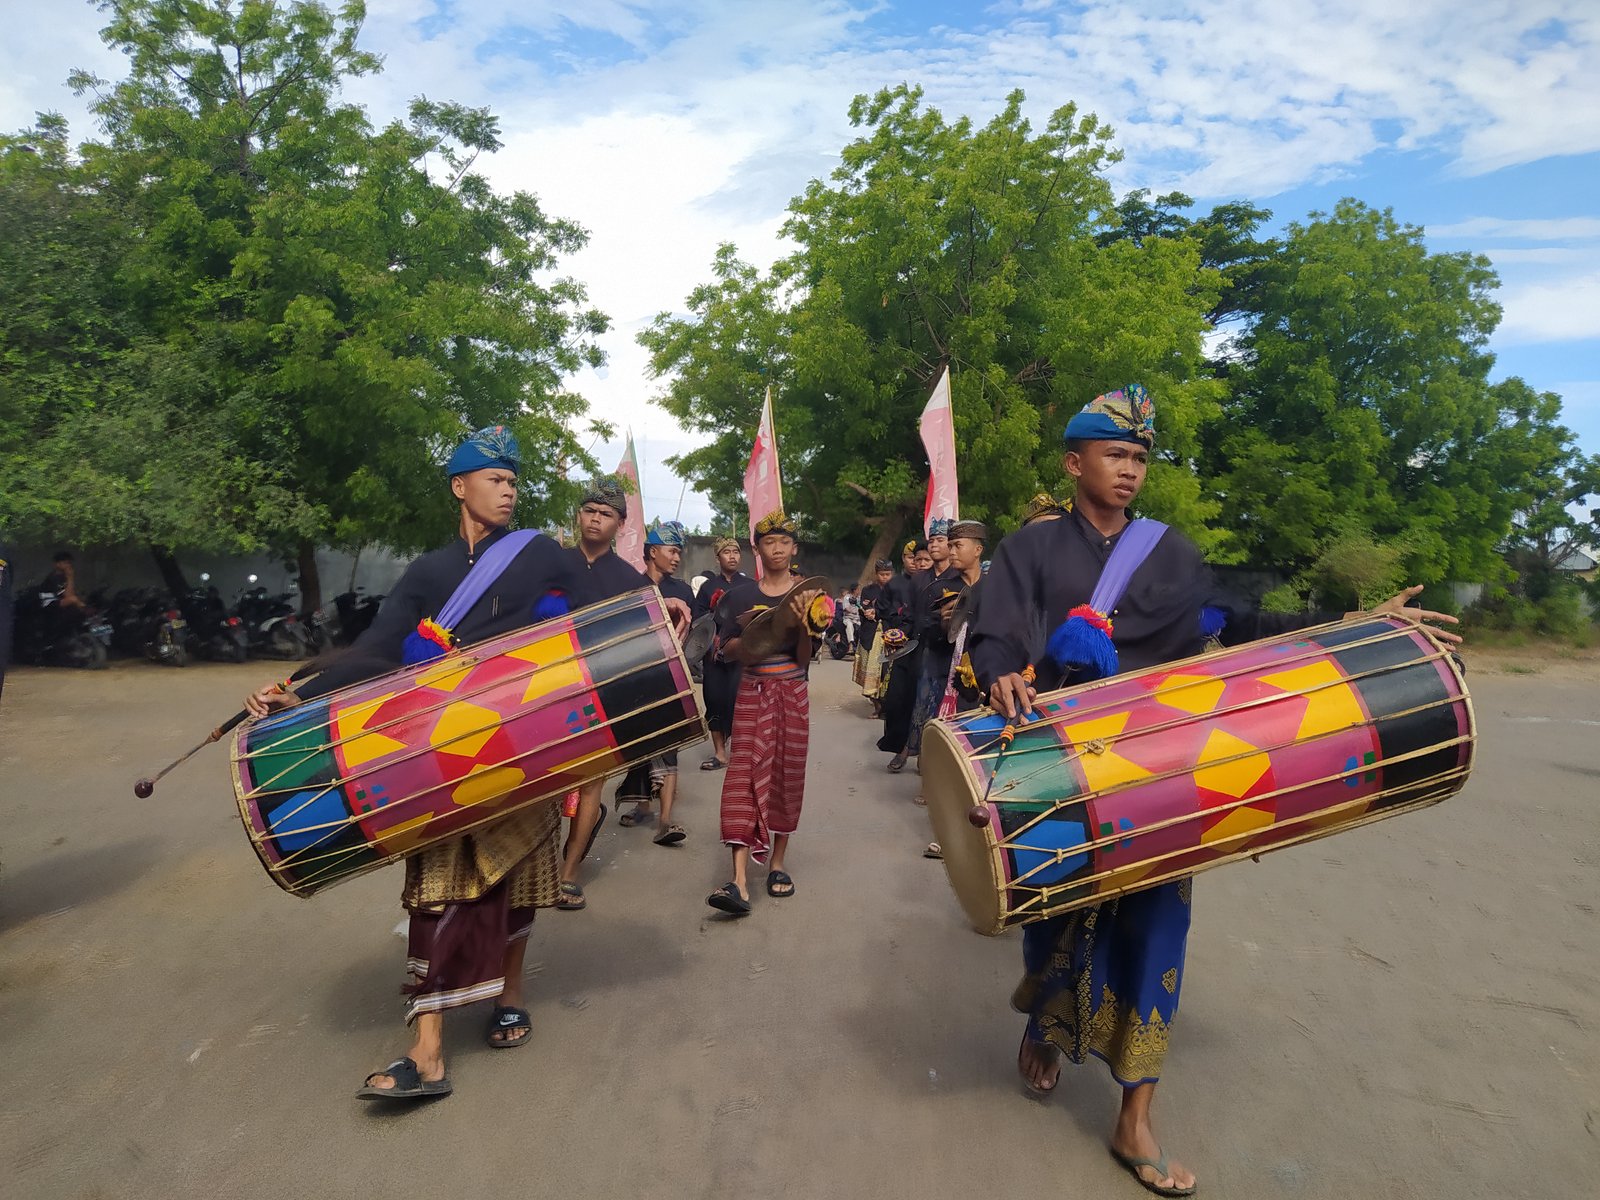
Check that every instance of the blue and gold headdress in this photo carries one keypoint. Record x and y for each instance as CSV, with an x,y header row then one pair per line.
x,y
1126,415
494,446
664,533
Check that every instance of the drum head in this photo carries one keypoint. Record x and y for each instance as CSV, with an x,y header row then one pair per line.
x,y
970,854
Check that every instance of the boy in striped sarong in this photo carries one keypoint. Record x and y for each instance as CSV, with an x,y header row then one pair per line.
x,y
766,780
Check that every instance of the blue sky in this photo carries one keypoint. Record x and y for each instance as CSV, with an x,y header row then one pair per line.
x,y
668,127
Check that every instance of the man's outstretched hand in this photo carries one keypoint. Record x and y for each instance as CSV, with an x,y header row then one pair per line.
x,y
1395,606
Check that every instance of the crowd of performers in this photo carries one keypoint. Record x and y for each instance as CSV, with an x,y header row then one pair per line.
x,y
944,631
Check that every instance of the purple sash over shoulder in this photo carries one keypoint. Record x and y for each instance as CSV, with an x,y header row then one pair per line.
x,y
429,641
1082,643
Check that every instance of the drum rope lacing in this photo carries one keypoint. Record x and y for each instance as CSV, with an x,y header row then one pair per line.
x,y
1430,789
447,667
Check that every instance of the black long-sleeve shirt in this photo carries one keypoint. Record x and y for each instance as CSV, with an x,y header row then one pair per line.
x,y
605,577
1043,571
713,588
540,567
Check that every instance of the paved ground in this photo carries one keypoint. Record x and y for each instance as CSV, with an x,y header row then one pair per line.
x,y
1409,1010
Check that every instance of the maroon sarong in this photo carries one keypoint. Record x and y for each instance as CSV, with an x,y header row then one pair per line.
x,y
766,781
456,955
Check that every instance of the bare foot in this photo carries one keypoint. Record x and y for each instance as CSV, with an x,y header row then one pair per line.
x,y
1039,1064
1138,1140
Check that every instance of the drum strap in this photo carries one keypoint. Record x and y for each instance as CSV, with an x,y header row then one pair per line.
x,y
1082,643
434,635
484,572
1127,556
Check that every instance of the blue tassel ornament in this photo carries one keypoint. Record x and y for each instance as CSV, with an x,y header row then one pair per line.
x,y
1082,645
1212,621
550,606
418,649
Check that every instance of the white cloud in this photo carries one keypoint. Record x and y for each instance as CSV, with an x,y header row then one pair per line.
x,y
1551,310
1545,230
666,127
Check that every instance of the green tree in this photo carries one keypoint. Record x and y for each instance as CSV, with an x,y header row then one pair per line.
x,y
1361,404
1553,517
101,440
353,299
938,243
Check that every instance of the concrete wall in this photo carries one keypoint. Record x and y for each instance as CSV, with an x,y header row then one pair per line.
x,y
122,567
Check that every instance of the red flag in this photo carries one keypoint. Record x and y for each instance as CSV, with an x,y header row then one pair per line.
x,y
938,429
630,535
763,483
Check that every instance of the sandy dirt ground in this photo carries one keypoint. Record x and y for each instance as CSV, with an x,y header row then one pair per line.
x,y
1406,1010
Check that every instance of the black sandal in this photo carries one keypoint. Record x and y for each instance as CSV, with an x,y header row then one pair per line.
x,y
778,879
729,899
408,1084
713,764
671,835
896,764
506,1021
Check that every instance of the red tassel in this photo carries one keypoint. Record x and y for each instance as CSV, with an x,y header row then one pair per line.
x,y
1098,619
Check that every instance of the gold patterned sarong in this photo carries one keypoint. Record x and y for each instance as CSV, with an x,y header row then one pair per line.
x,y
524,845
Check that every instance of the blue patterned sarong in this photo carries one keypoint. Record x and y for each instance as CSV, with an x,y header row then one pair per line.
x,y
1105,980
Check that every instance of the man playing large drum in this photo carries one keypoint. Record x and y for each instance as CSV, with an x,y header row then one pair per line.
x,y
471,900
1105,980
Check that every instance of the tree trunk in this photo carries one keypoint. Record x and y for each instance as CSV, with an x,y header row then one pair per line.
x,y
884,544
171,573
310,581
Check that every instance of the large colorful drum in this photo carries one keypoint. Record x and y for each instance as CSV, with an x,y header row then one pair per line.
x,y
1145,777
348,782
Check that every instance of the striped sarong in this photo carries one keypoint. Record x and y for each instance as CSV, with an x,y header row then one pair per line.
x,y
766,781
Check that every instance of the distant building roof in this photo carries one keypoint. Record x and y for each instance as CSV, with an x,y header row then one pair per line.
x,y
1581,558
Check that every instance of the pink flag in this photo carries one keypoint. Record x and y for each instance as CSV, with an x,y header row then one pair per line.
x,y
938,429
630,536
763,484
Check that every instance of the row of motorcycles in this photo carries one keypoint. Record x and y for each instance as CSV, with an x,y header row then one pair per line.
x,y
177,629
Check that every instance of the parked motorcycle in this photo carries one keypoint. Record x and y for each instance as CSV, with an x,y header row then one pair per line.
x,y
147,623
356,611
273,627
46,634
214,632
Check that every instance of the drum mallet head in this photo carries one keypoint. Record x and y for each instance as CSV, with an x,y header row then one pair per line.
x,y
978,815
144,789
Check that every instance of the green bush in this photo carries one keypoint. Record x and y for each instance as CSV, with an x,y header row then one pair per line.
x,y
1283,599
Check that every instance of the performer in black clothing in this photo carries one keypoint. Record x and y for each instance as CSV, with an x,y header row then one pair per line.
x,y
600,575
663,552
898,610
471,900
868,667
941,579
1105,980
720,681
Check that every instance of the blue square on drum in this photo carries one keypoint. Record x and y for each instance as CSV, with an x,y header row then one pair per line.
x,y
1034,850
307,818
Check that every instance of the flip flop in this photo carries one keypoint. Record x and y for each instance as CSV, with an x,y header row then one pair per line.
x,y
1035,1089
776,879
896,764
594,833
408,1084
638,815
671,835
504,1020
713,764
1159,1165
730,900
934,850
571,898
